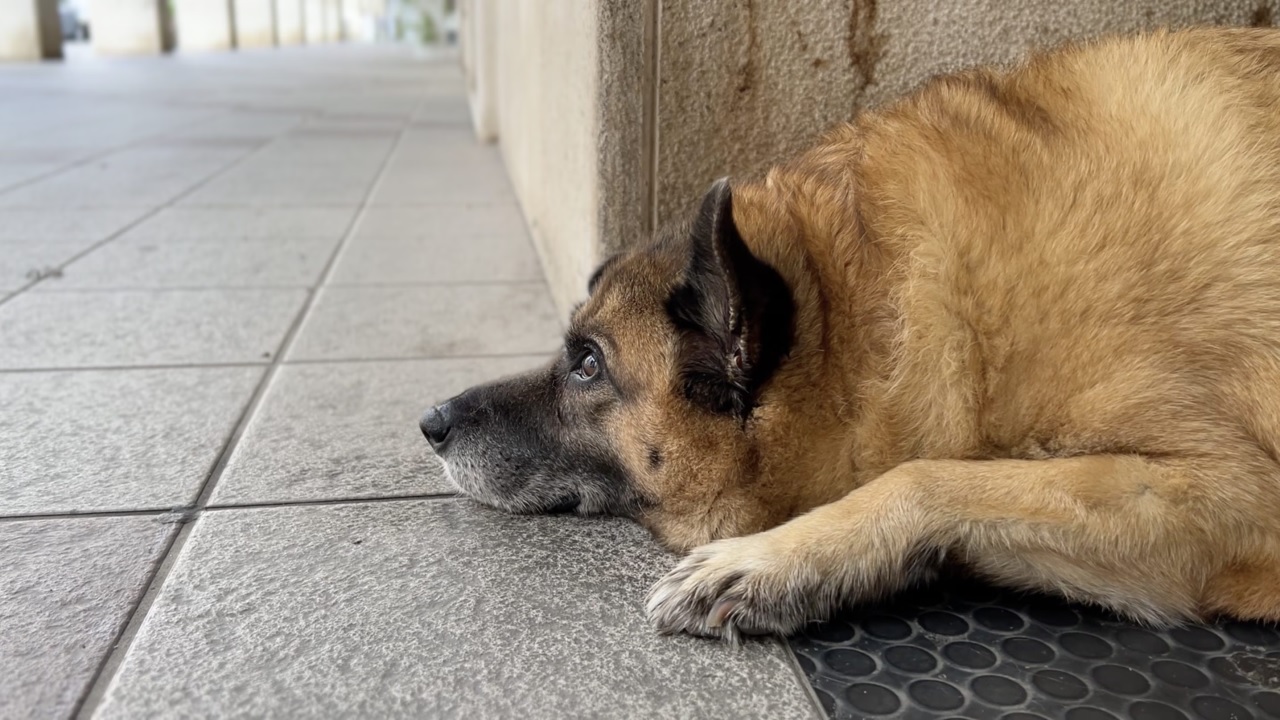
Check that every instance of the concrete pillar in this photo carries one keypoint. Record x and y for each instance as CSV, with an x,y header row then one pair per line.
x,y
290,22
313,21
479,62
333,20
30,30
131,27
205,24
255,22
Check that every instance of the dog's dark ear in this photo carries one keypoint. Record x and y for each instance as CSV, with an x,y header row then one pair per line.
x,y
734,313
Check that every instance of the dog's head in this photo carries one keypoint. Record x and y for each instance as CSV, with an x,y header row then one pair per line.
x,y
653,408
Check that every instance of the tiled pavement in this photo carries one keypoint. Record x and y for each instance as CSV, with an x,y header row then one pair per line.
x,y
228,286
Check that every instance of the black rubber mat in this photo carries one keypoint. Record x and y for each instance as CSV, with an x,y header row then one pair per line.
x,y
963,650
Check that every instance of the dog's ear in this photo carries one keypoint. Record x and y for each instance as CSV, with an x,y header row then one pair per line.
x,y
734,313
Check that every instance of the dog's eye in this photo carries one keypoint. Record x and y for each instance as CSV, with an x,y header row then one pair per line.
x,y
588,367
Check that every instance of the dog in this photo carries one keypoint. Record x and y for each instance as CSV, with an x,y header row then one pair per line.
x,y
1025,321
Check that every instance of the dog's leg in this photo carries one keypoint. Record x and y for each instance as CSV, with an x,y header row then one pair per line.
x,y
1126,532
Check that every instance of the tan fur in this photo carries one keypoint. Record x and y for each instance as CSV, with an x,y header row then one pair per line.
x,y
1038,329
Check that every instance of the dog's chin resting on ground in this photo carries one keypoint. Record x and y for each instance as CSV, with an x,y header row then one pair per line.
x,y
1023,321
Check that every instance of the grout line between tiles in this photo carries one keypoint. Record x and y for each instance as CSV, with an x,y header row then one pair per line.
x,y
142,512
184,515
333,501
299,286
806,687
110,665
545,352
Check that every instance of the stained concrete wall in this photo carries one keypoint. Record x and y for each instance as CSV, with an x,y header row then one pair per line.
x,y
614,117
30,30
544,52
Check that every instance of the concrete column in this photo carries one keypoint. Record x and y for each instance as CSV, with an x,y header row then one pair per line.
x,y
205,24
255,22
313,21
131,27
479,63
30,30
290,22
333,20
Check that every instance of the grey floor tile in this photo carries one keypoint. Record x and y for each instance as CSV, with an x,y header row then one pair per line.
x,y
139,263
482,258
21,262
66,587
92,441
429,321
39,225
441,223
288,185
349,430
428,609
110,328
239,124
409,184
136,177
451,110
203,223
13,172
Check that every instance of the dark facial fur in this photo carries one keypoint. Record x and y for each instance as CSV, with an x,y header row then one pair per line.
x,y
528,444
587,431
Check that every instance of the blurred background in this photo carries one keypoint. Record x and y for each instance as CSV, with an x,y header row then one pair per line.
x,y
187,25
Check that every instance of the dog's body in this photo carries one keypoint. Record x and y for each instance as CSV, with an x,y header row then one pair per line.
x,y
1027,321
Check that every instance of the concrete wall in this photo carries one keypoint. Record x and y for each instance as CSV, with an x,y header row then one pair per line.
x,y
548,130
30,30
614,117
255,22
131,27
477,25
205,24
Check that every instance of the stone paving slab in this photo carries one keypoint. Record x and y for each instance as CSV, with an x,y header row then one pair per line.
x,y
114,440
349,430
442,223
158,327
480,258
137,177
240,223
356,323
434,608
133,263
66,589
39,225
20,263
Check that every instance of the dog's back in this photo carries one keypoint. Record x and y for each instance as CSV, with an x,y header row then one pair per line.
x,y
1093,243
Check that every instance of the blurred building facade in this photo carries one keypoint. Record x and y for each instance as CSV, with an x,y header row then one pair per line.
x,y
33,30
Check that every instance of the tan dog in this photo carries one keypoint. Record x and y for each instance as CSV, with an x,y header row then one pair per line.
x,y
1027,321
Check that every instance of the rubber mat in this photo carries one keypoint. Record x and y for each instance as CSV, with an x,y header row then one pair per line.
x,y
964,650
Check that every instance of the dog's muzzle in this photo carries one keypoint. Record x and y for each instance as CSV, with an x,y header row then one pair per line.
x,y
437,425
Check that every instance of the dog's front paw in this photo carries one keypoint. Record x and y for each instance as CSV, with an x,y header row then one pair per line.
x,y
747,585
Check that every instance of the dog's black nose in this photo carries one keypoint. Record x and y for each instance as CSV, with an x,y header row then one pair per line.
x,y
436,424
